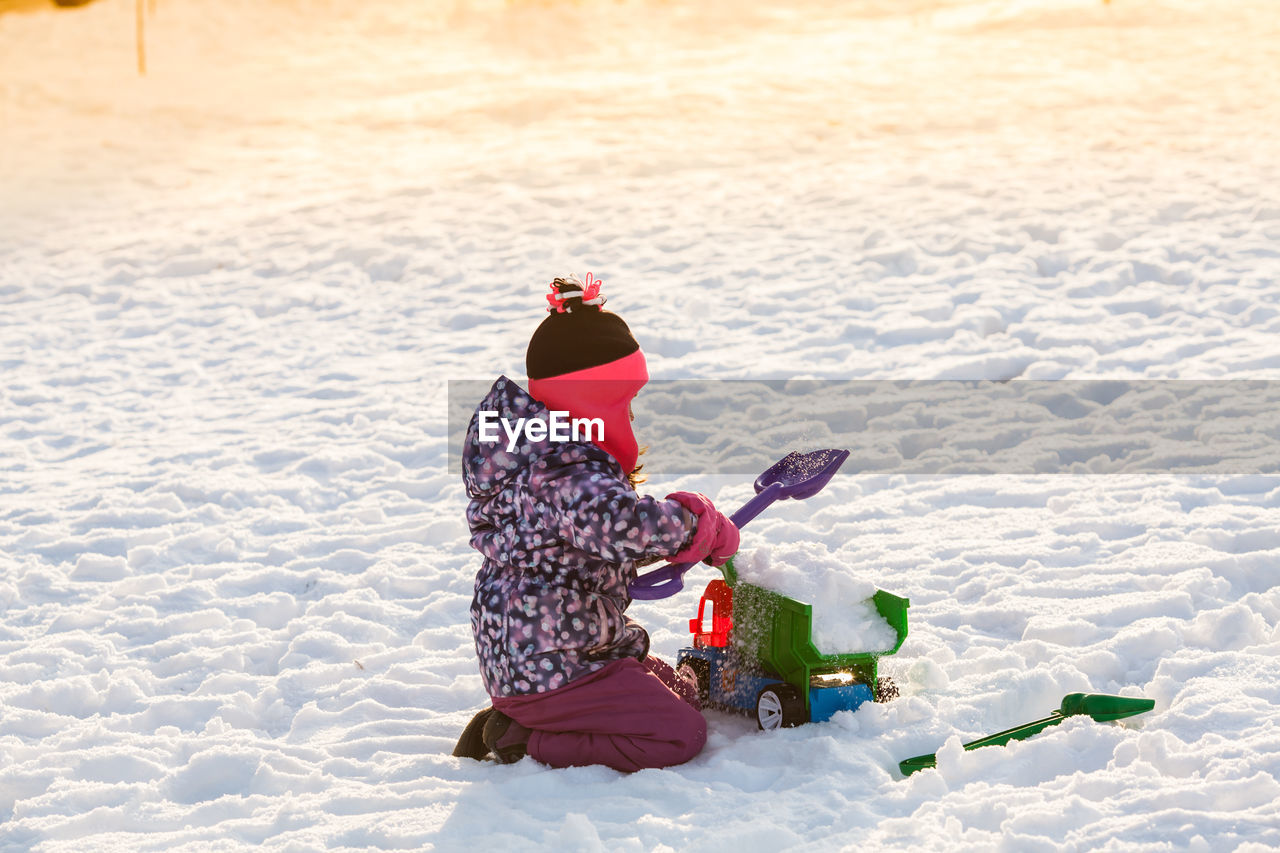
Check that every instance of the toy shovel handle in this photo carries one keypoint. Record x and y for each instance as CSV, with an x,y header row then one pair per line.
x,y
756,505
660,583
668,580
796,475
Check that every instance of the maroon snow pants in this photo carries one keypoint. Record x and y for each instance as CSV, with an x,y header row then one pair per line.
x,y
629,715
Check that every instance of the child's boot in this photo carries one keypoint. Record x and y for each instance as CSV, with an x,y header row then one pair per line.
x,y
471,744
507,740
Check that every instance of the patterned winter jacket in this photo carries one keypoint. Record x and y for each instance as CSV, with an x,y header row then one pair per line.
x,y
561,531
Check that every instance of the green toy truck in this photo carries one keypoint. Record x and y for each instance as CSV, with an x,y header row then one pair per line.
x,y
757,656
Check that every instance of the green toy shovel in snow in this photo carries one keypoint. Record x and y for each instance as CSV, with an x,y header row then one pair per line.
x,y
1099,706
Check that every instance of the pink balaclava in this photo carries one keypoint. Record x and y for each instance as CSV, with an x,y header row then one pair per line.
x,y
584,361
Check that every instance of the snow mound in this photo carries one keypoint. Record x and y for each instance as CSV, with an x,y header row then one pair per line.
x,y
844,618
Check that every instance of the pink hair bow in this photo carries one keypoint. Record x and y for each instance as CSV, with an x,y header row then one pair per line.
x,y
589,293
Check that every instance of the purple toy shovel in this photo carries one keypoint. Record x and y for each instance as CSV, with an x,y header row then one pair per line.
x,y
797,475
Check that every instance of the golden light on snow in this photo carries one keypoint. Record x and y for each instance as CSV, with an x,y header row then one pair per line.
x,y
370,91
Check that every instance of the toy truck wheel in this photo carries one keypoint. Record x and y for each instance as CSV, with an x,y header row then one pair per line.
x,y
697,672
779,706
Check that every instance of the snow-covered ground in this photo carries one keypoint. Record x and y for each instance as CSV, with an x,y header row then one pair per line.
x,y
234,572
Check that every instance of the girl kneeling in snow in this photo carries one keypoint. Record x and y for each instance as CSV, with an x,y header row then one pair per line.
x,y
562,531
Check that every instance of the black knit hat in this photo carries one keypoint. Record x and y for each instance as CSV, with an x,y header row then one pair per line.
x,y
576,335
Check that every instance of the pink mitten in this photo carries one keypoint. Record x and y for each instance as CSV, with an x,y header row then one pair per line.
x,y
715,539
